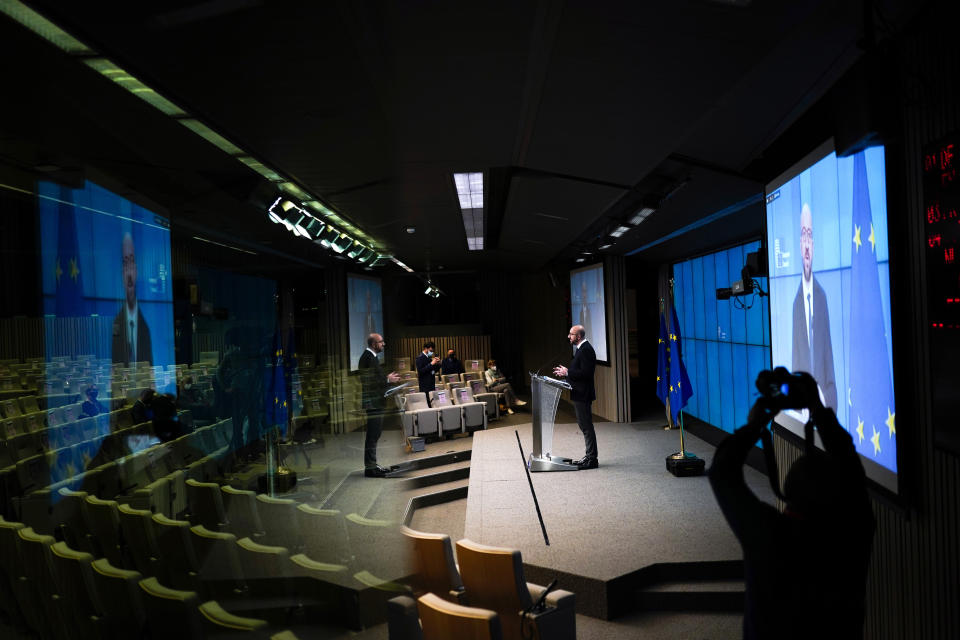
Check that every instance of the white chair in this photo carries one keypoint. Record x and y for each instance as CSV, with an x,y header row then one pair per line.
x,y
474,414
418,418
490,398
451,416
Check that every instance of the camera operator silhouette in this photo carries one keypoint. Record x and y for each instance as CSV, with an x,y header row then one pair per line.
x,y
805,568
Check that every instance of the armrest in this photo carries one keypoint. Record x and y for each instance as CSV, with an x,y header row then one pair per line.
x,y
559,598
403,619
558,621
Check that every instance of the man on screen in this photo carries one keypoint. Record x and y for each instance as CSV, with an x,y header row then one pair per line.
x,y
812,346
131,335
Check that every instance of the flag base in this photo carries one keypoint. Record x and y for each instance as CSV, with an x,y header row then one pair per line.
x,y
284,480
683,464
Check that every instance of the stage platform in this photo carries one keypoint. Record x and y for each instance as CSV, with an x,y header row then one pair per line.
x,y
615,532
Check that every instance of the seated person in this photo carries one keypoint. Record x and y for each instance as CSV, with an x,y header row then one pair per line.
x,y
142,409
451,364
494,381
190,394
166,424
91,406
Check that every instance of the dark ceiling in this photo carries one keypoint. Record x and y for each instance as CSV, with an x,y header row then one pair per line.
x,y
577,112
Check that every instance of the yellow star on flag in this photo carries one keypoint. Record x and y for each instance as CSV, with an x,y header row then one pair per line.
x,y
58,271
876,441
860,429
659,340
856,237
671,388
872,238
891,422
74,269
673,337
658,378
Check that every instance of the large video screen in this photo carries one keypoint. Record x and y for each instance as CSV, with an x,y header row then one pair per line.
x,y
830,295
725,343
588,306
106,265
365,309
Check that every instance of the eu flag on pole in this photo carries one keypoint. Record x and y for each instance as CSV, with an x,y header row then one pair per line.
x,y
680,388
663,375
277,404
69,288
872,411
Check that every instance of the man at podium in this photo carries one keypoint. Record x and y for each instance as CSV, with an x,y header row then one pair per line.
x,y
580,376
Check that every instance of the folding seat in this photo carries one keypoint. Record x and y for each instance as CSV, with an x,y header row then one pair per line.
x,y
324,534
8,455
176,551
120,600
70,434
138,539
13,597
219,571
108,481
441,620
242,514
493,578
10,408
77,592
319,588
41,581
87,428
378,546
62,463
153,497
103,525
280,520
266,572
171,613
451,417
87,452
9,428
33,422
206,504
471,375
218,622
474,413
490,398
434,569
70,516
450,377
33,473
418,418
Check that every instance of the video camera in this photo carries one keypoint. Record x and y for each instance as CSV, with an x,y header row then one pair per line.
x,y
784,389
756,266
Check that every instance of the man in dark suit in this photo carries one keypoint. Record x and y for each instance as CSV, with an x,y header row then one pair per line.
x,y
131,335
451,364
580,376
812,346
427,366
375,384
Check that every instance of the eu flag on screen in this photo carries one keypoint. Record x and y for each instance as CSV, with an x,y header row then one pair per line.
x,y
680,388
69,288
663,375
872,411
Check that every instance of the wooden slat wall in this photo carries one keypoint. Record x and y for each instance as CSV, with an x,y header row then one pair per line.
x,y
613,382
468,348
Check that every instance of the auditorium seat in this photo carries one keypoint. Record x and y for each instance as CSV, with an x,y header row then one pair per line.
x,y
418,418
241,510
474,413
217,622
451,416
378,546
281,521
39,580
70,516
323,534
171,613
179,559
442,620
14,599
205,504
104,528
120,597
493,578
77,592
139,539
219,572
490,398
434,569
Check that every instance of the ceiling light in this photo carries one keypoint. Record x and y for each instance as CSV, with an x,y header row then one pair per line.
x,y
605,246
380,260
641,215
312,228
470,195
411,229
619,231
327,236
580,260
342,243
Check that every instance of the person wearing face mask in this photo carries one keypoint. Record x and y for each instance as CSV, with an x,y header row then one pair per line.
x,y
450,364
428,364
91,406
497,383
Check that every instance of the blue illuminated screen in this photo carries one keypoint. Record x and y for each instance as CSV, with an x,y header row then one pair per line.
x,y
830,295
726,343
365,305
588,306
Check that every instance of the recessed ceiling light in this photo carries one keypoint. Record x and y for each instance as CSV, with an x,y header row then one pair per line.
x,y
605,246
619,231
411,229
581,260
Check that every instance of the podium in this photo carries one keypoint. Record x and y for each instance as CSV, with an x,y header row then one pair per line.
x,y
545,397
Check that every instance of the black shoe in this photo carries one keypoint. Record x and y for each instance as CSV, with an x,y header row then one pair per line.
x,y
587,463
579,462
376,472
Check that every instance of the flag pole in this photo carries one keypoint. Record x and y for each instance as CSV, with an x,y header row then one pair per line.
x,y
682,463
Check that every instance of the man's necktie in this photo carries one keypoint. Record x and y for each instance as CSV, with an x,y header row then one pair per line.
x,y
133,355
810,329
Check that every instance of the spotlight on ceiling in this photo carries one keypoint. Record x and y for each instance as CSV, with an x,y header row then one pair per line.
x,y
312,228
326,237
380,260
356,251
604,247
341,243
432,290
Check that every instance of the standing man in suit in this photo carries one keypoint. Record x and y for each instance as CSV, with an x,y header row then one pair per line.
x,y
812,346
580,376
427,366
131,335
374,383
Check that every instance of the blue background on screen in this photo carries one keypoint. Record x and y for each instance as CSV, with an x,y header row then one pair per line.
x,y
828,186
724,347
586,289
100,219
362,292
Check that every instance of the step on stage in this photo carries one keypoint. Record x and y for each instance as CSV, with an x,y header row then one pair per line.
x,y
620,534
